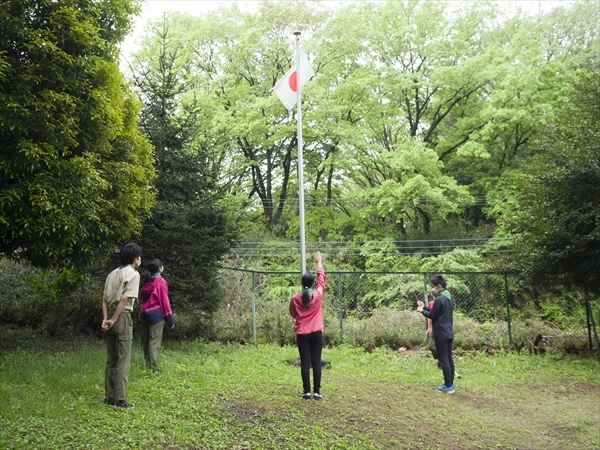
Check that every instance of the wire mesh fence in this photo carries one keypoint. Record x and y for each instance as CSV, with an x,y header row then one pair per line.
x,y
256,306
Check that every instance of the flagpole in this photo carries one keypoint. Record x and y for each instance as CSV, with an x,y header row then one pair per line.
x,y
300,157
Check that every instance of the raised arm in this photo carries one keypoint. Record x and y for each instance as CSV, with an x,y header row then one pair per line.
x,y
319,288
319,260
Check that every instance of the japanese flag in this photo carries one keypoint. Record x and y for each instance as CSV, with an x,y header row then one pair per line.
x,y
287,88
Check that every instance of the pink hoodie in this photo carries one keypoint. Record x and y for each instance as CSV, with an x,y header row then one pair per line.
x,y
309,320
154,302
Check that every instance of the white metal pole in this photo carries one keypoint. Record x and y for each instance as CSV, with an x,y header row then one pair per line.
x,y
300,157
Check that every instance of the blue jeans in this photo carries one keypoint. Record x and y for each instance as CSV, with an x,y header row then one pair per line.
x,y
444,351
310,347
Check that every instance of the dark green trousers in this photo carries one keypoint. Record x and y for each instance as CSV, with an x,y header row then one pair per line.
x,y
118,346
151,340
431,346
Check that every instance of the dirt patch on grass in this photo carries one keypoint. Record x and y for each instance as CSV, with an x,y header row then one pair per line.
x,y
583,389
478,402
395,415
246,412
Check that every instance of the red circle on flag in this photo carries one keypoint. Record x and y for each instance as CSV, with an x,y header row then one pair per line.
x,y
293,82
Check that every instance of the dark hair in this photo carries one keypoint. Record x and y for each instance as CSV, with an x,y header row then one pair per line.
x,y
153,267
129,253
308,279
438,279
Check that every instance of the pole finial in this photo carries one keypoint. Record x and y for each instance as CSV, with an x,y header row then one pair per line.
x,y
297,33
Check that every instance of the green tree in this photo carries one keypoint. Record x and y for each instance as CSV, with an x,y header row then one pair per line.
x,y
554,216
415,109
531,90
388,84
236,58
74,169
190,228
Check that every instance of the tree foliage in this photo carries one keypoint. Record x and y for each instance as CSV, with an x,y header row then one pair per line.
x,y
236,58
74,169
420,113
191,227
555,218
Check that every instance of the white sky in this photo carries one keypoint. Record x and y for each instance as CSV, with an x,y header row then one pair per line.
x,y
154,9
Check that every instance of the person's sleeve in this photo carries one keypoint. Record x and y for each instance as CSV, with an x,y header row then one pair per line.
x,y
434,312
132,284
292,309
163,297
165,304
319,290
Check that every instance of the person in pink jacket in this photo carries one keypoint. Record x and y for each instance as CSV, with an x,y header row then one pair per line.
x,y
307,308
156,311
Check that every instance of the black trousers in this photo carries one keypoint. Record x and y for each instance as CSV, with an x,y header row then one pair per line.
x,y
444,351
310,347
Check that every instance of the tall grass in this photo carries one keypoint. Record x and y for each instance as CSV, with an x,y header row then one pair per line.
x,y
212,396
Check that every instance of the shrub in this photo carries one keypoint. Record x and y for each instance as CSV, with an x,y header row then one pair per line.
x,y
58,303
388,328
396,329
40,299
20,301
190,323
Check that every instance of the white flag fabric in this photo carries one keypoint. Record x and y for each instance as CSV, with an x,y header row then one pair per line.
x,y
287,87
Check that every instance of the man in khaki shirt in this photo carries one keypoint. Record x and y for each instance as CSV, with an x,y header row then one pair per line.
x,y
120,291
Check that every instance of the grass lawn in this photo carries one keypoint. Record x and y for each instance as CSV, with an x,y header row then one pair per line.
x,y
211,396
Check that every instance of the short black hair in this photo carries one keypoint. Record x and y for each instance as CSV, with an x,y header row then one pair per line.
x,y
438,279
154,265
129,253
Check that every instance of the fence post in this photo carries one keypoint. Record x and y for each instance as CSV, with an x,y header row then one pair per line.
x,y
507,309
81,301
590,321
425,296
587,316
341,307
253,308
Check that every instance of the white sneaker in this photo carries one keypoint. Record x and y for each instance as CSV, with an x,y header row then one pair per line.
x,y
317,396
306,396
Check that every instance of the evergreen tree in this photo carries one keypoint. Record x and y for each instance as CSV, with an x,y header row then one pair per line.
x,y
190,228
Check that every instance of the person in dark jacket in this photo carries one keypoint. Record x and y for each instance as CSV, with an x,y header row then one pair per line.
x,y
441,317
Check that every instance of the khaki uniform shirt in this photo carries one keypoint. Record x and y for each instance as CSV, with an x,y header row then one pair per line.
x,y
121,281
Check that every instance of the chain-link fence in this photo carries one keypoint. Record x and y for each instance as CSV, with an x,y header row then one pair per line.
x,y
497,305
